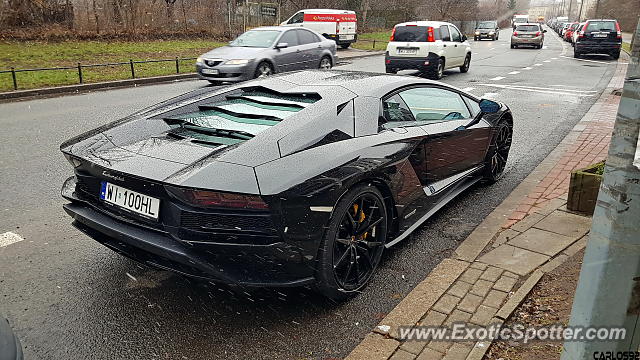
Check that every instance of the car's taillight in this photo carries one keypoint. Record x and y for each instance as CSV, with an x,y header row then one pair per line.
x,y
430,35
515,33
205,198
538,33
619,34
393,32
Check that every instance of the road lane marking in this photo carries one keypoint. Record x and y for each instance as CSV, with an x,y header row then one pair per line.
x,y
530,89
538,64
594,61
491,48
545,47
497,78
514,73
547,61
527,68
554,58
467,89
9,238
489,95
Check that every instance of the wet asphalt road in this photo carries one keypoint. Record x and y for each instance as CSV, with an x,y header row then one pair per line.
x,y
70,298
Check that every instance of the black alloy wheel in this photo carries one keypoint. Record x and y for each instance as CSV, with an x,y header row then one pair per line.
x,y
353,244
496,159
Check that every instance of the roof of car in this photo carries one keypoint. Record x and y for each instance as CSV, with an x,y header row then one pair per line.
x,y
424,23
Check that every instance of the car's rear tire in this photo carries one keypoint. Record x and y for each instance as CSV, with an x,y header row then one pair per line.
x,y
215,82
391,71
513,46
325,63
467,63
475,38
353,241
436,72
498,152
345,46
263,69
576,53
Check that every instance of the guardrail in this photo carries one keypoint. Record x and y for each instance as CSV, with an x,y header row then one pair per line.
x,y
131,63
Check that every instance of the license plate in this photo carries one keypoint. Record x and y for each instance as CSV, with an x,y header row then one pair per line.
x,y
600,35
210,71
346,37
127,199
527,36
407,51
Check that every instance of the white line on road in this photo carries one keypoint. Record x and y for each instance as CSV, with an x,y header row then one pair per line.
x,y
467,89
545,47
547,61
9,238
491,48
593,61
489,95
514,73
554,58
522,88
497,78
527,68
538,64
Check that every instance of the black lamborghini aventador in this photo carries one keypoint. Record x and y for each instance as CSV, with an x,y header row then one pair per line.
x,y
297,179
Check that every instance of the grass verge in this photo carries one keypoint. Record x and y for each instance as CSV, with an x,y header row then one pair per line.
x,y
365,41
32,54
626,47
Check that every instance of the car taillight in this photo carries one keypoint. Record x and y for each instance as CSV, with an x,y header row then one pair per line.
x,y
205,198
538,33
430,36
393,33
515,33
619,34
581,34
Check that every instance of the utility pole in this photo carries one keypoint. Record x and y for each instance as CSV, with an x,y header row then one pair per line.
x,y
608,293
580,12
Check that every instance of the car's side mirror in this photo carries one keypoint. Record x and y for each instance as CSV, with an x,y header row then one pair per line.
x,y
489,107
282,45
544,31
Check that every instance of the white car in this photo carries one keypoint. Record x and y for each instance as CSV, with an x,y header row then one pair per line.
x,y
337,25
428,46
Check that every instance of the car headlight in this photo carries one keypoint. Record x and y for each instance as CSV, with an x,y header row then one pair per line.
x,y
237,62
477,32
199,60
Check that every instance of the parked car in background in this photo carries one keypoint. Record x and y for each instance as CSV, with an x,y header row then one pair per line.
x,y
560,21
600,36
265,51
575,34
487,30
428,46
565,26
337,25
528,34
568,34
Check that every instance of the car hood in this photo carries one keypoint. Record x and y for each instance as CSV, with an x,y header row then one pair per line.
x,y
234,52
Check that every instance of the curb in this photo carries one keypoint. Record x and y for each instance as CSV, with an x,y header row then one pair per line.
x,y
72,89
19,94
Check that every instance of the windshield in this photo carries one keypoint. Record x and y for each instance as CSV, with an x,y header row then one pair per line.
x,y
256,39
526,28
601,26
487,25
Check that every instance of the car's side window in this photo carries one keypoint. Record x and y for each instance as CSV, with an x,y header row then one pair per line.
x,y
297,18
396,113
432,104
455,34
444,33
473,106
290,38
306,37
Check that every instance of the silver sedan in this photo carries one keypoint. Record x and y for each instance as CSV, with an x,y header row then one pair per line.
x,y
264,51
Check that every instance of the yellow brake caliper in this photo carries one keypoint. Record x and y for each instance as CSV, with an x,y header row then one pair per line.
x,y
360,219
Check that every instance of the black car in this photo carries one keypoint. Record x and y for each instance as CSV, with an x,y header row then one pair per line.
x,y
599,37
487,30
296,179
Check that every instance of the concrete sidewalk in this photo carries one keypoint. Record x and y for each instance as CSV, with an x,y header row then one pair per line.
x,y
529,234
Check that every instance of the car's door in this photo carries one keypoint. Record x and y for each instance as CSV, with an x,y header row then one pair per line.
x,y
290,57
296,20
310,48
453,145
457,50
447,44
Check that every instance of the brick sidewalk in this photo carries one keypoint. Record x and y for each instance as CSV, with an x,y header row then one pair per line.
x,y
539,235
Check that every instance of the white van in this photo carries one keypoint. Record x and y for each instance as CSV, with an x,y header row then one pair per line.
x,y
337,25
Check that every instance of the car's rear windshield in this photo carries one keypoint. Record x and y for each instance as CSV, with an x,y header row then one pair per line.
x,y
487,25
601,26
238,116
525,28
256,38
410,33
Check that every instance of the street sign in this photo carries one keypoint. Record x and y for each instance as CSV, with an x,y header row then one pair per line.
x,y
268,10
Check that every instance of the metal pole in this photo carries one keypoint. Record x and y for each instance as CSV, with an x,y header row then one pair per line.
x,y
133,73
177,66
580,12
15,81
80,73
608,292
